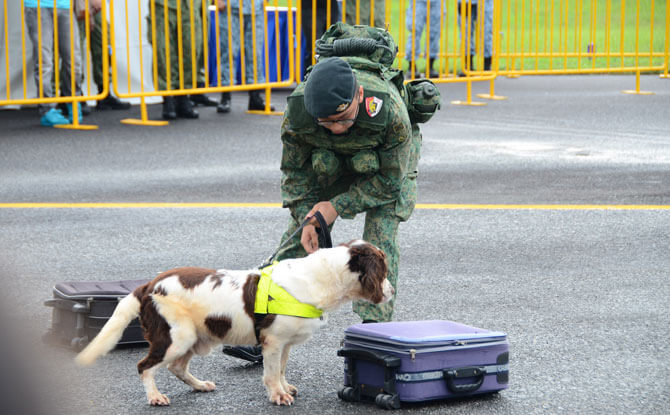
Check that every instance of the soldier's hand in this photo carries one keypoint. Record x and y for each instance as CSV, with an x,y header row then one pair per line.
x,y
327,210
309,239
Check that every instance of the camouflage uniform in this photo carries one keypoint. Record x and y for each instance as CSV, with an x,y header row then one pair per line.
x,y
371,168
174,36
364,12
95,24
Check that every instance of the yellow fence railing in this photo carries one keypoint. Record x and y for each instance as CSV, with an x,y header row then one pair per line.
x,y
54,30
178,31
165,48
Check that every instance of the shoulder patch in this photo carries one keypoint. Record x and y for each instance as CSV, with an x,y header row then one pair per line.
x,y
373,105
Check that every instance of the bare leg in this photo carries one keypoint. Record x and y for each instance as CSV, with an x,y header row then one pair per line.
x,y
180,369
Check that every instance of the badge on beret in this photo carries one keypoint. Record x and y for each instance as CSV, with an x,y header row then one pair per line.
x,y
343,106
373,105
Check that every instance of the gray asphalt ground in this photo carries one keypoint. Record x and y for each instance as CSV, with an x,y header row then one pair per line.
x,y
582,294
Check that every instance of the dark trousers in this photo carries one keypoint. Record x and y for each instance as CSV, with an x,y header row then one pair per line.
x,y
321,25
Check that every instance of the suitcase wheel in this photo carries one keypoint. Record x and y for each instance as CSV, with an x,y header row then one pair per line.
x,y
78,343
348,394
385,401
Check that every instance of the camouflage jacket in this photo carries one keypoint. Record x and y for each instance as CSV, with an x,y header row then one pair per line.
x,y
372,164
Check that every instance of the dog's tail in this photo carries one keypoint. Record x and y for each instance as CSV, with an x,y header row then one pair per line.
x,y
127,310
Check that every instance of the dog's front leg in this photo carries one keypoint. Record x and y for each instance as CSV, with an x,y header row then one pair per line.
x,y
273,350
284,360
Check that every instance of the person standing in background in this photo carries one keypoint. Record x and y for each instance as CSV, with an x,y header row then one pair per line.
x,y
416,16
364,11
471,9
179,105
253,27
39,17
322,24
96,20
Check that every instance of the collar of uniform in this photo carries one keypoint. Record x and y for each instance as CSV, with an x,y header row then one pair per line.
x,y
273,299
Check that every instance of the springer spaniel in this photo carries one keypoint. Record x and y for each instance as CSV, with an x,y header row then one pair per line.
x,y
187,311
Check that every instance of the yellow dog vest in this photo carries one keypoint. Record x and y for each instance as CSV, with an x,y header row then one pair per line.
x,y
273,299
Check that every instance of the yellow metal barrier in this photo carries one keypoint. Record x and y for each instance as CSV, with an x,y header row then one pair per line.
x,y
583,37
176,70
36,31
526,37
468,34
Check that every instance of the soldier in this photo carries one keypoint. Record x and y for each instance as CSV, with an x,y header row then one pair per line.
x,y
252,14
179,105
349,147
363,14
96,21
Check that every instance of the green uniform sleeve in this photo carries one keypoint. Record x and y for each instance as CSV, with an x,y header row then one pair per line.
x,y
299,186
383,187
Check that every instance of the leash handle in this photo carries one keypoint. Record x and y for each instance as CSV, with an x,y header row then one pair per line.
x,y
322,231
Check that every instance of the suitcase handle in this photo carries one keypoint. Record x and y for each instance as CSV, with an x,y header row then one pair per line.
x,y
68,305
384,360
464,372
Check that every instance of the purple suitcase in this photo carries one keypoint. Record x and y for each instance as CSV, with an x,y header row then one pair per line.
x,y
416,361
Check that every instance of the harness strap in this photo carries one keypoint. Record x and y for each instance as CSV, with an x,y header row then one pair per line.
x,y
273,299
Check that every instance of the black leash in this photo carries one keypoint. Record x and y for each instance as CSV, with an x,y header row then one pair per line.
x,y
321,230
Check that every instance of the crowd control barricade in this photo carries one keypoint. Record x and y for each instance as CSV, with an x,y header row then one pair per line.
x,y
171,49
584,37
461,36
20,66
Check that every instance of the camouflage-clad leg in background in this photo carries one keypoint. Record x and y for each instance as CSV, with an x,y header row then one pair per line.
x,y
95,47
174,35
364,12
381,229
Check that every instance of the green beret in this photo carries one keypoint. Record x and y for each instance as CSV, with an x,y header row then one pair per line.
x,y
329,88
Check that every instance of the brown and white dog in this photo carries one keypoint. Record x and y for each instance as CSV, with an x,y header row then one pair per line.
x,y
187,311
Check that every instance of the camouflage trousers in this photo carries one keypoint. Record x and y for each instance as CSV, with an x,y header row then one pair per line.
x,y
364,12
173,66
381,229
95,44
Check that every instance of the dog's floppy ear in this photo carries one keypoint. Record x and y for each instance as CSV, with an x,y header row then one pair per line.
x,y
370,263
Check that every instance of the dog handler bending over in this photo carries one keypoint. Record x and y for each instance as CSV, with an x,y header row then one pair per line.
x,y
348,147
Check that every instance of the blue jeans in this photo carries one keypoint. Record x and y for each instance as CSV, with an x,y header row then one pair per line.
x,y
248,77
488,25
420,23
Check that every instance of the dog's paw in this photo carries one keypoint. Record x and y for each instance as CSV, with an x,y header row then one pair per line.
x,y
205,386
290,389
158,399
281,398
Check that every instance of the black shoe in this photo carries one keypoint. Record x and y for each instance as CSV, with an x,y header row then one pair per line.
x,y
85,109
224,106
204,100
487,64
169,108
112,103
249,353
185,108
432,72
256,102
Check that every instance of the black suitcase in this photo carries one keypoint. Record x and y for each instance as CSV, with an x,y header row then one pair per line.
x,y
80,309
